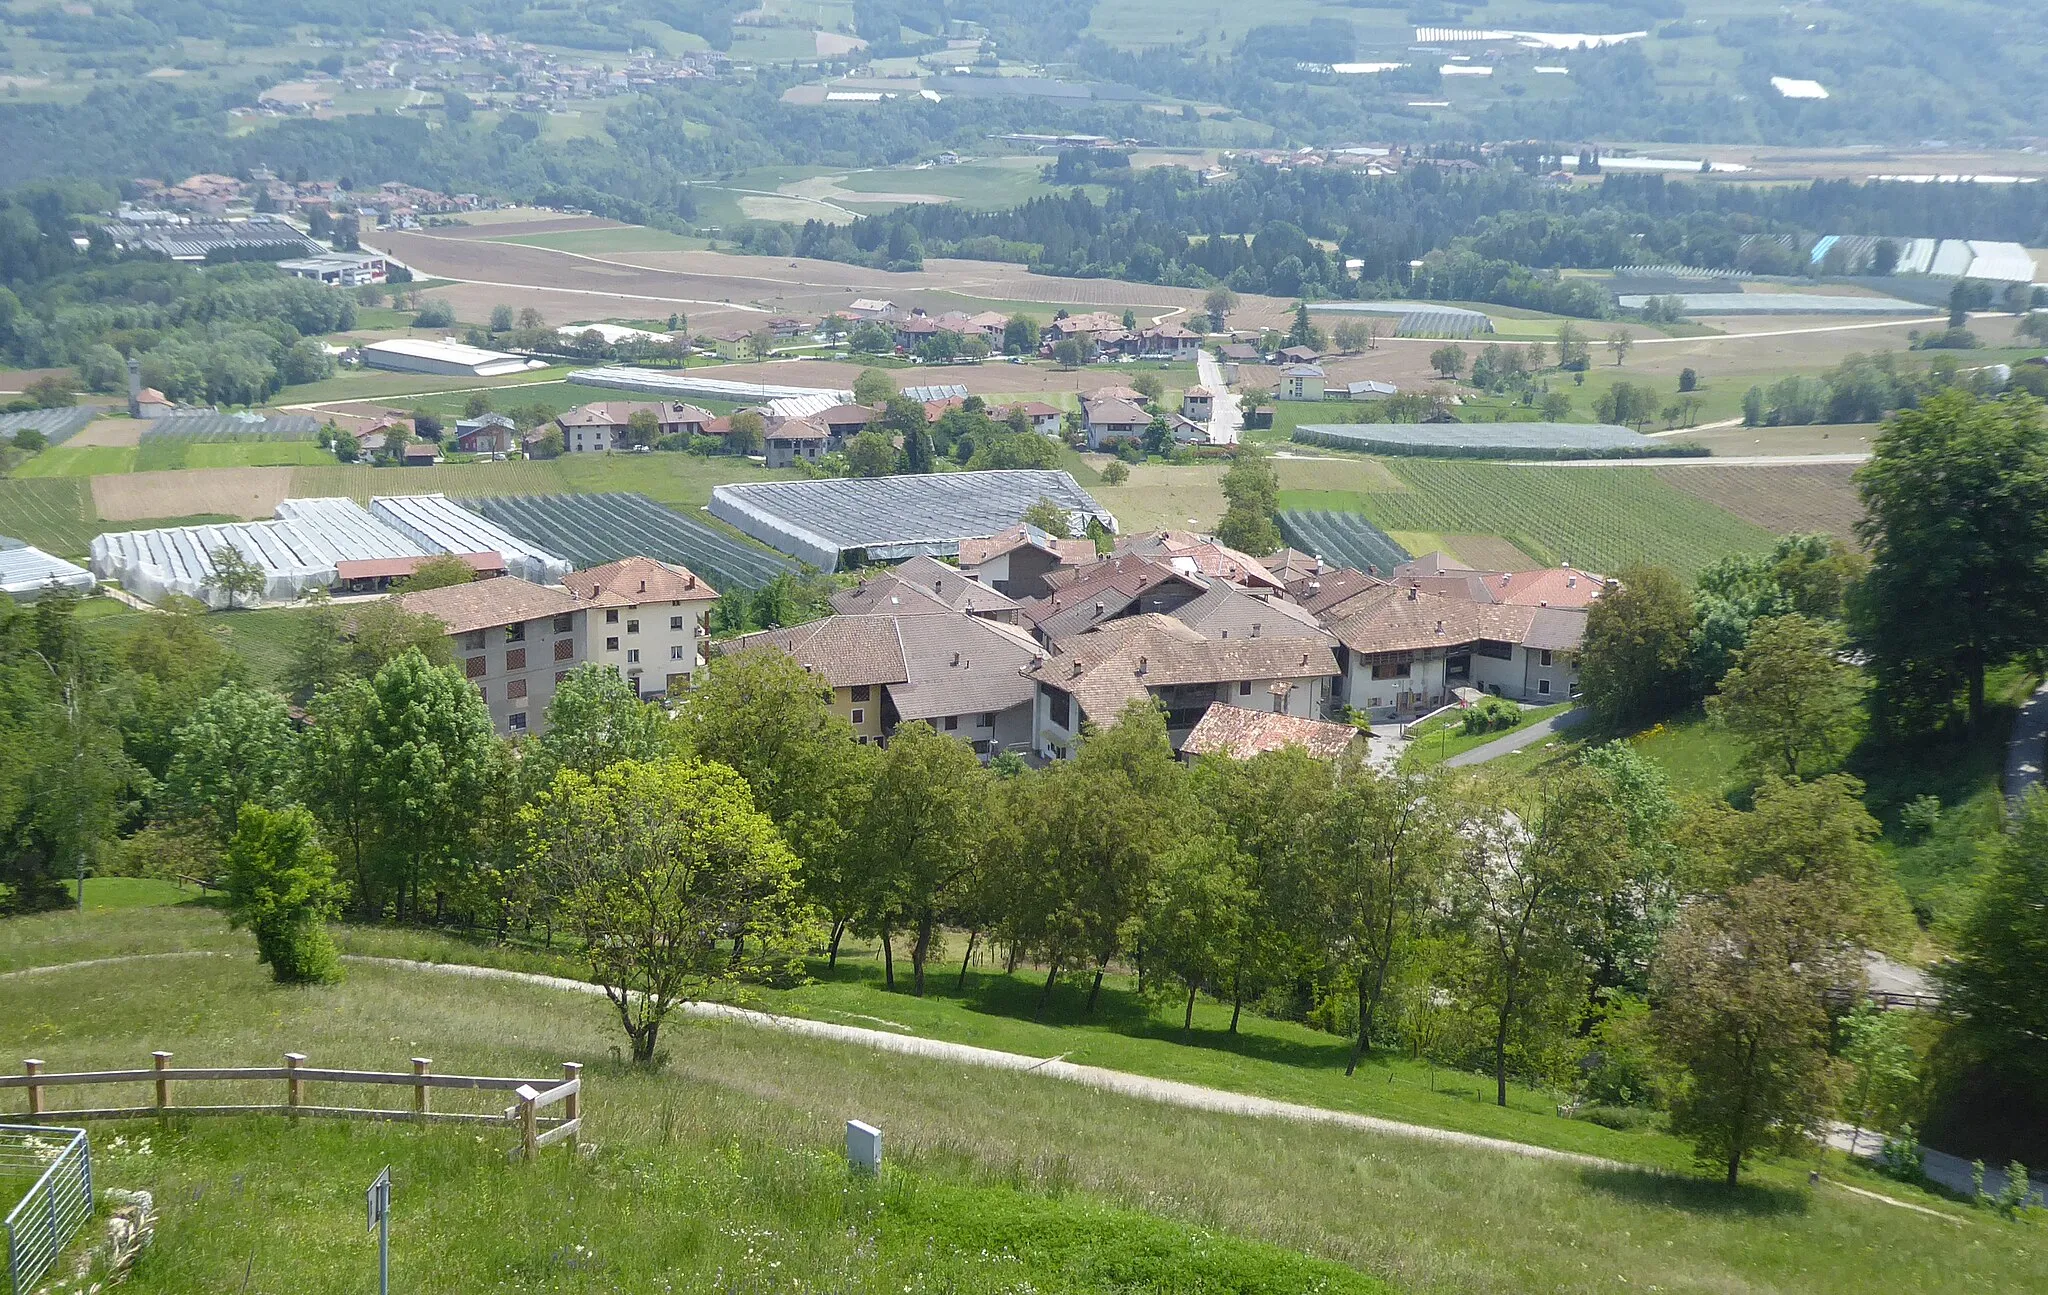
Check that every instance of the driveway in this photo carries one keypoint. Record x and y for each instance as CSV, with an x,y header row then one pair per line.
x,y
1227,420
2027,749
1515,741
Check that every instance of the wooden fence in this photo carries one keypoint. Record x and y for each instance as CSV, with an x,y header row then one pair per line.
x,y
531,1113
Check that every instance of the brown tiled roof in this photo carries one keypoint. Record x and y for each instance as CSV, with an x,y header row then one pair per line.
x,y
958,664
926,581
1226,611
1325,593
845,651
1239,733
1217,561
637,581
1114,664
1402,619
1101,409
974,552
1115,583
483,604
1131,394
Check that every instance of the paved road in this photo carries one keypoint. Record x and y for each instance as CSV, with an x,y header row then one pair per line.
x,y
1518,739
2027,749
1228,419
1952,1172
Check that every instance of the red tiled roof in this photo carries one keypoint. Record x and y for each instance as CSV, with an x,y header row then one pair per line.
x,y
1239,733
637,581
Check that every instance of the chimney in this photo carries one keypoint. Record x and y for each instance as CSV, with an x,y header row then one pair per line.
x,y
134,387
1142,663
690,582
1255,629
1414,591
643,586
1439,627
1571,582
956,658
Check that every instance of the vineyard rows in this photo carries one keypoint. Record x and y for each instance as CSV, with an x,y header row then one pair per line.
x,y
591,530
1345,539
52,513
202,428
1600,518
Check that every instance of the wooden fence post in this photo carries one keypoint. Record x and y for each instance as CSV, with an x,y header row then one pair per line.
x,y
32,1067
294,1087
420,1068
572,1105
163,1086
529,1123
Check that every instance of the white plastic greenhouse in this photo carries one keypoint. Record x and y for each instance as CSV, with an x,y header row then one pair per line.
x,y
26,573
442,526
297,553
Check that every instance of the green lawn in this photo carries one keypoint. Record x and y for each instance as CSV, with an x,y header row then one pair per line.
x,y
1598,518
1439,738
712,1170
78,461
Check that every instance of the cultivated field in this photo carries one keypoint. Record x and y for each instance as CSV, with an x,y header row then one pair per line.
x,y
233,492
1488,553
1158,496
1798,497
52,513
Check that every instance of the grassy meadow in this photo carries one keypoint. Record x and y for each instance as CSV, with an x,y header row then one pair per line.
x,y
719,1170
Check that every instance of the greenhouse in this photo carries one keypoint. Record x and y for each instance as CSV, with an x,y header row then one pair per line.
x,y
681,382
440,525
296,553
26,573
1495,440
847,521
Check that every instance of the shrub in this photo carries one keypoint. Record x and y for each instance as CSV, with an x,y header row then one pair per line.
x,y
1921,816
1491,715
281,886
1116,473
1626,1119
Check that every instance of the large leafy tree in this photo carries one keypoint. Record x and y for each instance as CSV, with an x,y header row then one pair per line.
x,y
1634,665
1274,808
1994,984
1789,698
677,884
281,885
1956,503
238,749
1385,853
1195,915
429,764
595,720
921,838
1741,1021
761,714
1534,863
1251,490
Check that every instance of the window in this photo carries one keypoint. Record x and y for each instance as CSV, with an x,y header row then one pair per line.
x,y
1244,688
516,633
675,651
515,689
611,616
632,627
561,675
860,692
952,723
563,624
1058,704
632,655
986,721
1543,686
858,716
517,721
1390,669
474,667
515,658
473,641
675,622
1546,656
1496,649
565,649
611,644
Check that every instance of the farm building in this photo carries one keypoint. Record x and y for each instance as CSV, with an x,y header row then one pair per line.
x,y
847,521
26,572
315,544
440,526
338,269
421,355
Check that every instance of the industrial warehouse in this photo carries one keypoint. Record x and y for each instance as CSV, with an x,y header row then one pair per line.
x,y
837,522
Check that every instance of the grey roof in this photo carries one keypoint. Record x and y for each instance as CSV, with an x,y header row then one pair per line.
x,y
921,583
26,572
665,382
1228,612
939,391
193,242
895,517
961,664
58,425
1782,303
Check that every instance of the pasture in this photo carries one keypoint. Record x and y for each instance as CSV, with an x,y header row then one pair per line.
x,y
720,1169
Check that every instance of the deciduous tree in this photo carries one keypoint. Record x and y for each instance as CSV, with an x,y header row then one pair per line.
x,y
925,824
1789,699
677,884
1635,664
1994,985
1252,490
281,885
237,749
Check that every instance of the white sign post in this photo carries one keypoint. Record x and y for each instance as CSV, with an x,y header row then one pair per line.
x,y
379,1199
864,1147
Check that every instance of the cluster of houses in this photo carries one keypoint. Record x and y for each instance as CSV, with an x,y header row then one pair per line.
x,y
392,204
1031,636
535,79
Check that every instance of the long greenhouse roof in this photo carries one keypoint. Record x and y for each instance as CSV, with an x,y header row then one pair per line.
x,y
675,382
892,517
1473,436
